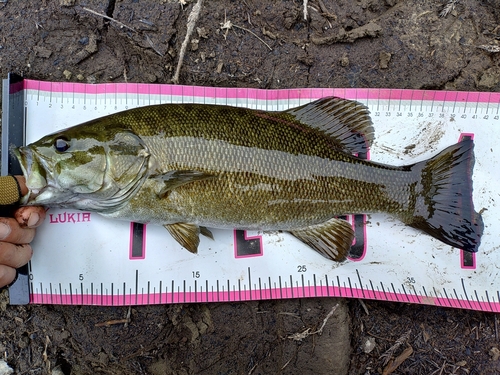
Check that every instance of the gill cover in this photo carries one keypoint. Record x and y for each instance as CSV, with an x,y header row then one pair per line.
x,y
86,171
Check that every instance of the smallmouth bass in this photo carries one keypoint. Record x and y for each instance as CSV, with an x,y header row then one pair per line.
x,y
190,167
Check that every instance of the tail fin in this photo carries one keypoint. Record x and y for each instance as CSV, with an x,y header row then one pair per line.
x,y
444,207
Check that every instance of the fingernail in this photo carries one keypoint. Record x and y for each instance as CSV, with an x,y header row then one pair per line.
x,y
4,231
33,219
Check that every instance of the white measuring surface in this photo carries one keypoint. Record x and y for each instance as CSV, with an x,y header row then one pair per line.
x,y
82,258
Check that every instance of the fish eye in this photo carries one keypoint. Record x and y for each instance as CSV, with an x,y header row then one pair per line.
x,y
61,144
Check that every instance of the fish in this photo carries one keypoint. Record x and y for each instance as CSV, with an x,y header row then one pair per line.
x,y
191,167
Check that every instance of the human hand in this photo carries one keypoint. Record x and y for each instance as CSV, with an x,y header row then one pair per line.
x,y
15,235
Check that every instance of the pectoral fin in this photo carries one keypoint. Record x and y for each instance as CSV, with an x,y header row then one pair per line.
x,y
332,239
174,179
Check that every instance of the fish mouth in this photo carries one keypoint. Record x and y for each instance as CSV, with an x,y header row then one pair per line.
x,y
35,181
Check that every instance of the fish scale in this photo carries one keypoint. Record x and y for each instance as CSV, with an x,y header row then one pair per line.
x,y
299,193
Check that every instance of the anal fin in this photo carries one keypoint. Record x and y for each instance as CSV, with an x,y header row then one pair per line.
x,y
206,232
332,239
187,235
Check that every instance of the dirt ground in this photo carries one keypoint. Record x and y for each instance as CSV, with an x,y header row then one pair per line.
x,y
343,43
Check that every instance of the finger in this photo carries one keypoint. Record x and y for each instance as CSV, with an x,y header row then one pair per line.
x,y
14,255
11,231
7,275
30,216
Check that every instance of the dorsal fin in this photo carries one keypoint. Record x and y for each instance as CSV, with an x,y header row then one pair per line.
x,y
346,122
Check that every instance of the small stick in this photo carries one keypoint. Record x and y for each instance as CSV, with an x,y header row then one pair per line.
x,y
125,321
255,35
108,18
364,306
191,22
325,10
393,365
305,10
129,312
307,332
112,322
320,330
44,354
389,352
286,364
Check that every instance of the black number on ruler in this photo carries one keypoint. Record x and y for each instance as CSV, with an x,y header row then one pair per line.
x,y
137,245
247,246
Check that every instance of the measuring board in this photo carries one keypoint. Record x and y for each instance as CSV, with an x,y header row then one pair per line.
x,y
82,258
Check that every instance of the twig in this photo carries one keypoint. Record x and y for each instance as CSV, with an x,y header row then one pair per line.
x,y
109,18
389,352
191,22
227,25
379,337
112,322
301,336
290,314
305,10
44,354
442,368
393,365
286,364
364,306
320,330
252,369
255,35
129,312
124,321
325,11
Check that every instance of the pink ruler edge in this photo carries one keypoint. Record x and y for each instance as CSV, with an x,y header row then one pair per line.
x,y
253,295
260,94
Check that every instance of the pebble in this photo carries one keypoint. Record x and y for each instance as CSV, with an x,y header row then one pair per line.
x,y
67,74
384,58
494,353
67,3
369,345
344,60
